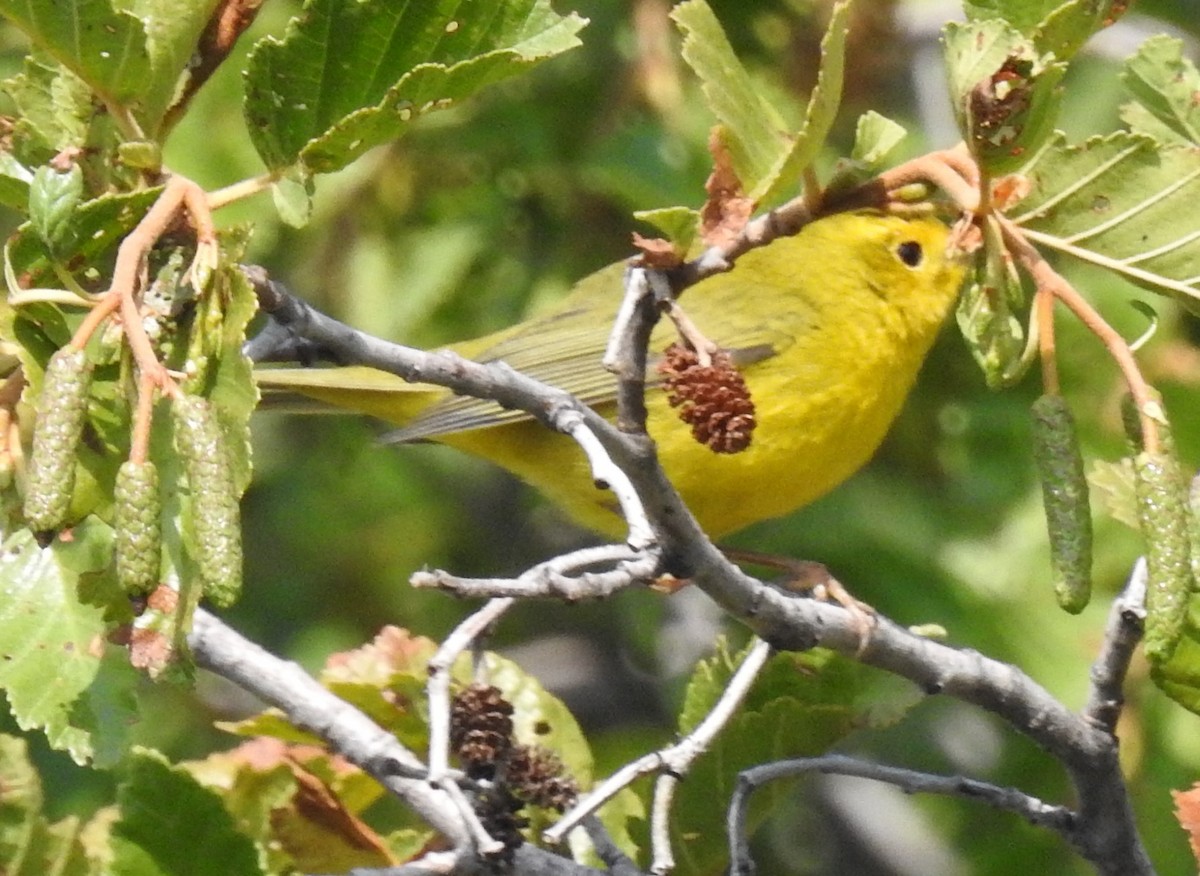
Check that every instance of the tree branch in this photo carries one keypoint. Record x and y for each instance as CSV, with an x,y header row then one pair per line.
x,y
1104,831
1056,818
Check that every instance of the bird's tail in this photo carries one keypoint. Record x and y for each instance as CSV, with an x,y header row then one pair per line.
x,y
342,390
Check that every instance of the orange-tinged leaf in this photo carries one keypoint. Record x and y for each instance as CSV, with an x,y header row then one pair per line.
x,y
1187,810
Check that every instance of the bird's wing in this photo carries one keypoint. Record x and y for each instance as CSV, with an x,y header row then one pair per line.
x,y
571,362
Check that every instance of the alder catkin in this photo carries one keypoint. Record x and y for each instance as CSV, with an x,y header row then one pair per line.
x,y
215,518
1166,527
61,411
138,528
1065,498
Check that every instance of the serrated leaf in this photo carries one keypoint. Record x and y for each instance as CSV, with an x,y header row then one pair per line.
x,y
1165,84
1066,28
349,76
54,109
800,705
58,672
1004,91
104,46
157,835
819,115
97,226
53,198
1023,15
754,130
1122,202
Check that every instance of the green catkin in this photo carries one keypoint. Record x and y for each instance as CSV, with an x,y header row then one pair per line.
x,y
61,412
215,518
1065,497
138,527
1165,523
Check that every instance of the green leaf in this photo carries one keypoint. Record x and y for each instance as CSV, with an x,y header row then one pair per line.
x,y
293,196
53,198
97,227
875,137
29,845
1179,676
800,705
754,130
1005,93
172,28
105,47
1112,484
541,718
14,182
678,224
987,314
348,76
170,825
1066,28
54,109
1164,85
1122,202
58,672
1023,15
819,116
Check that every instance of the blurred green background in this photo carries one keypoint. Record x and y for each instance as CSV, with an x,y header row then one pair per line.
x,y
490,209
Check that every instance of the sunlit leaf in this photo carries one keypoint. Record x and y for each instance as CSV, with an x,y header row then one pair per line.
x,y
1004,91
348,76
1164,85
105,47
1122,202
58,672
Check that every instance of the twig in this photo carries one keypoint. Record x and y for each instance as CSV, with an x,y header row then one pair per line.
x,y
1044,310
618,863
485,843
565,577
438,685
1051,281
674,761
1056,818
678,760
625,354
1122,633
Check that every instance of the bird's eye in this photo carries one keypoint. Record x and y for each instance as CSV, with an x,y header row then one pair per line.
x,y
910,253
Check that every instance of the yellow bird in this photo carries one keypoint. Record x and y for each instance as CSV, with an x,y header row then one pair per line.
x,y
828,327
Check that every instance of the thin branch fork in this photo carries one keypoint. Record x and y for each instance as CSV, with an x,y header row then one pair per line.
x,y
1056,818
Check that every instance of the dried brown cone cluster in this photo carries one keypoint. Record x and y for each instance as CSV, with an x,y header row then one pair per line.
x,y
712,399
481,730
